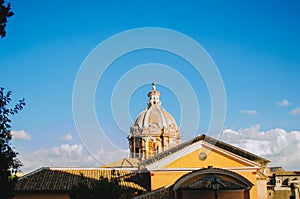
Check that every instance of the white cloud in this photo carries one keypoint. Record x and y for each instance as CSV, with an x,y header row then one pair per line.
x,y
295,111
284,102
67,137
20,135
249,112
67,155
279,146
282,148
66,150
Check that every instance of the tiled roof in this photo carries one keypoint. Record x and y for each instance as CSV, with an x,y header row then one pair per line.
x,y
287,173
210,140
63,179
164,192
123,163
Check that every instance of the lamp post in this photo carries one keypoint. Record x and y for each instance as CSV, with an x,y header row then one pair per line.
x,y
215,186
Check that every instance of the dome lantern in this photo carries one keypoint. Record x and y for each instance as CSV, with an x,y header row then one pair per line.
x,y
154,96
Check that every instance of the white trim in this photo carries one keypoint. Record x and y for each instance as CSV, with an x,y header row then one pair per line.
x,y
33,172
196,146
236,169
235,156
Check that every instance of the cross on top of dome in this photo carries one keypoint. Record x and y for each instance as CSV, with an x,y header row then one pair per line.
x,y
154,86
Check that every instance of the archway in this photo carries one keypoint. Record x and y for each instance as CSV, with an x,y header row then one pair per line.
x,y
212,183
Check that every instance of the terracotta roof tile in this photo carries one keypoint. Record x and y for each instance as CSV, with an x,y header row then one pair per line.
x,y
287,173
123,163
62,180
164,192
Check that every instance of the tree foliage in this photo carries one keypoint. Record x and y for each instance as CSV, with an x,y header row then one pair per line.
x,y
103,188
9,164
5,12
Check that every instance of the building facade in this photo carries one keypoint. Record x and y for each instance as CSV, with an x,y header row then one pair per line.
x,y
283,184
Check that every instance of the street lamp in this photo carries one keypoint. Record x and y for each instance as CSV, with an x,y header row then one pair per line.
x,y
215,186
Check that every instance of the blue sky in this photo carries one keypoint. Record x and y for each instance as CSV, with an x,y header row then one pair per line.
x,y
254,44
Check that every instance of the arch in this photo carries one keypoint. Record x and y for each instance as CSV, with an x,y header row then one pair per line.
x,y
200,174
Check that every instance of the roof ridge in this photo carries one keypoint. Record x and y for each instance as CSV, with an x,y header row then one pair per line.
x,y
128,161
33,172
219,142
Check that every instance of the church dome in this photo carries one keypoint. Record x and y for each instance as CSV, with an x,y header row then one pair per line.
x,y
155,117
154,129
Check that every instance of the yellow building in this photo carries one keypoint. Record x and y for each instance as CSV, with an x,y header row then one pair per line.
x,y
202,167
155,139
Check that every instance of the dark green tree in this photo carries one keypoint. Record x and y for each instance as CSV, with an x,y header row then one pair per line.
x,y
103,188
9,164
5,12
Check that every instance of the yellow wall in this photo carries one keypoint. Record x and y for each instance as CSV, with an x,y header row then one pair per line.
x,y
214,159
251,176
163,178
